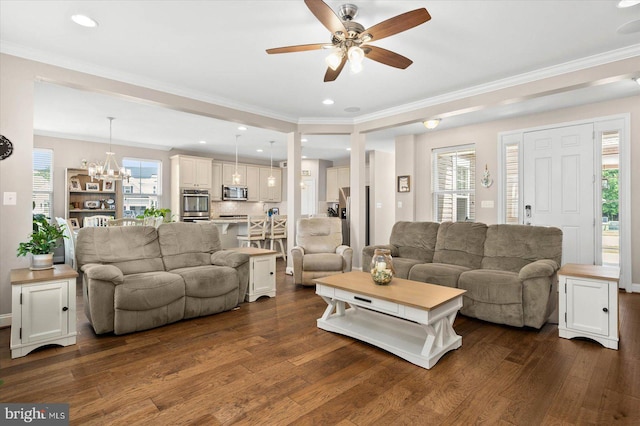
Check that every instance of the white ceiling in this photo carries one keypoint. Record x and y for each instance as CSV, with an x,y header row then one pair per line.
x,y
215,51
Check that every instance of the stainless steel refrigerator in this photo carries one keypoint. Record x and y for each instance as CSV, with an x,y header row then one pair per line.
x,y
344,210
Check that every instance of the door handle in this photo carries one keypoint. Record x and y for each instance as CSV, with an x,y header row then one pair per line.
x,y
527,214
65,309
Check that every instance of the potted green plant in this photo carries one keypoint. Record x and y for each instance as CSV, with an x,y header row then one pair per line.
x,y
43,240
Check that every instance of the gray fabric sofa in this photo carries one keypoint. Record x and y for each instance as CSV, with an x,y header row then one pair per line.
x,y
139,277
508,271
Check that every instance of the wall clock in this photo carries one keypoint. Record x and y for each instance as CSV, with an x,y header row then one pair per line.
x,y
6,148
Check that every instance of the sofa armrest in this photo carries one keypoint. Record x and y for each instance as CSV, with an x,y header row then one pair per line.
x,y
229,258
297,253
538,269
103,273
347,257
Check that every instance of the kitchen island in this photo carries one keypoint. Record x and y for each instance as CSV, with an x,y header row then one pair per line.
x,y
229,228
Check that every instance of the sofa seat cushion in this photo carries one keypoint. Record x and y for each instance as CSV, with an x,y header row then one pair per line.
x,y
322,262
208,281
460,243
491,295
148,290
148,300
403,266
437,273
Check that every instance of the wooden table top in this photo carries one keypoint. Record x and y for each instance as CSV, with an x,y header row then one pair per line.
x,y
405,292
26,275
596,272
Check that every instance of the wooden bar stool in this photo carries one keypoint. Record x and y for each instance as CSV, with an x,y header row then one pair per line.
x,y
256,231
278,233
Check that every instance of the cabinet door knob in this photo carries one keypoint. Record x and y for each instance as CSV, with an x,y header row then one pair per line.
x,y
65,309
271,273
605,310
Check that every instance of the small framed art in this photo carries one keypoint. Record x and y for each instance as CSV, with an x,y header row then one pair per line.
x,y
74,222
74,184
92,186
108,185
404,183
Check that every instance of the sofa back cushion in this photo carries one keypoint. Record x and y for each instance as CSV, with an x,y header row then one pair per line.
x,y
460,243
132,249
415,240
319,235
510,247
186,244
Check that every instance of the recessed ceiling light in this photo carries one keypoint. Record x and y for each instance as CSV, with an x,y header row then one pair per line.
x,y
328,102
259,150
84,20
627,3
304,156
242,128
203,142
304,140
348,149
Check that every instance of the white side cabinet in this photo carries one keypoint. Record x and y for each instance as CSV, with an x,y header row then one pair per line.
x,y
43,309
588,303
262,272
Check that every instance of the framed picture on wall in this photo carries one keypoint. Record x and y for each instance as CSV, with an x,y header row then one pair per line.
x,y
404,184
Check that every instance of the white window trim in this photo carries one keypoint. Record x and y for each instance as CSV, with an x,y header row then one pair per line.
x,y
51,191
434,175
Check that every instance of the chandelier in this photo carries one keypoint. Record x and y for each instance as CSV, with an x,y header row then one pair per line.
x,y
271,180
109,170
236,176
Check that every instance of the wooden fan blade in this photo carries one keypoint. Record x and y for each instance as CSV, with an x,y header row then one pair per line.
x,y
398,24
325,15
331,75
387,57
298,48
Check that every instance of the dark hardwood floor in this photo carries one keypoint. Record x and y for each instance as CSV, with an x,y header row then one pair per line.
x,y
267,363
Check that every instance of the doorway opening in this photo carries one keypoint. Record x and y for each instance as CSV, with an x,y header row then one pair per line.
x,y
610,151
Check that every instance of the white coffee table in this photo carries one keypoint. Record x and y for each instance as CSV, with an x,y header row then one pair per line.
x,y
410,319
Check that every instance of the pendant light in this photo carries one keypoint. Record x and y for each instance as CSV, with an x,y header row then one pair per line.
x,y
236,176
109,170
271,180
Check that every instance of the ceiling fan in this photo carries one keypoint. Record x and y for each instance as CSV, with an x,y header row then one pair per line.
x,y
350,40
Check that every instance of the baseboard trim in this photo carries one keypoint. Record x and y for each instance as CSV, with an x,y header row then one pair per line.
x,y
635,288
5,320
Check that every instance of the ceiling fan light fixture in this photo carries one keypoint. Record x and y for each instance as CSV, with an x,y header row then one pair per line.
x,y
627,3
355,54
334,59
432,123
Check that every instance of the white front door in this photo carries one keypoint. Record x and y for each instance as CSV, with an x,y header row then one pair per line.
x,y
558,187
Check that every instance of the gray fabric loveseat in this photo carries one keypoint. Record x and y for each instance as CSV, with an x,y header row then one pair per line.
x,y
139,277
508,271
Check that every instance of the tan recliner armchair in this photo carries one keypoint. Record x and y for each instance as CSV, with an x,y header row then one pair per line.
x,y
319,251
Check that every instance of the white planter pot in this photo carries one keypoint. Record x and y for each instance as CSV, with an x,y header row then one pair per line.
x,y
41,261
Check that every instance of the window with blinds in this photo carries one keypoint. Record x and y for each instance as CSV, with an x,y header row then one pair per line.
x,y
512,188
454,184
144,188
42,191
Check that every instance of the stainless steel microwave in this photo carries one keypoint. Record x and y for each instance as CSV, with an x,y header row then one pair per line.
x,y
234,193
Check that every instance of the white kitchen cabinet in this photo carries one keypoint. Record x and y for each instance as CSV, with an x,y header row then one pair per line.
x,y
228,169
216,182
588,303
270,194
43,308
337,177
262,272
253,183
192,172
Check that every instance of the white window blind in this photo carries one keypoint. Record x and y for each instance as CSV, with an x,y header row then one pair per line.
x,y
42,181
512,196
144,189
454,183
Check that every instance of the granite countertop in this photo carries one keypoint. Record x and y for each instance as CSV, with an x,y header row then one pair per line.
x,y
229,220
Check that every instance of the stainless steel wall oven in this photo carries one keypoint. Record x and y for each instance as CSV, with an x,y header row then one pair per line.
x,y
194,204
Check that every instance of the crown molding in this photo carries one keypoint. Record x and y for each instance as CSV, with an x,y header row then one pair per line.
x,y
542,73
75,137
134,79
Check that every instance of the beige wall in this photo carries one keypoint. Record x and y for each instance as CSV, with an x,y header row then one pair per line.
x,y
485,138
